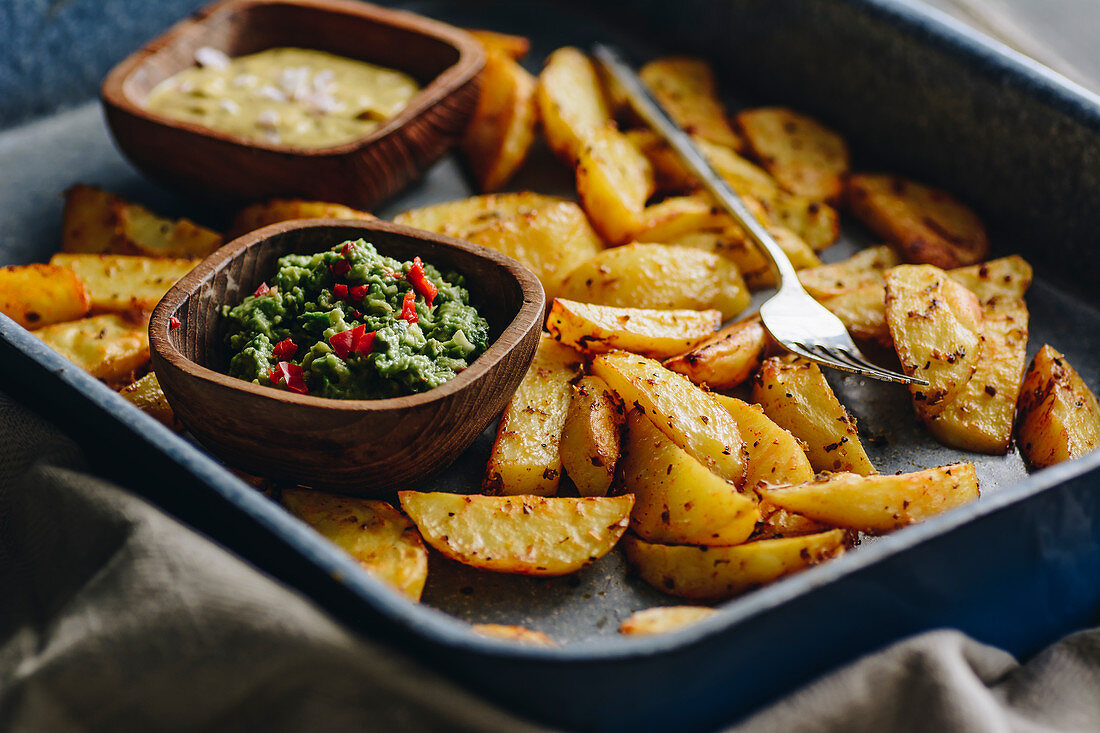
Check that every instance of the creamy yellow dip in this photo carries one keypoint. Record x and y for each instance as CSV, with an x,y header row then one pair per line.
x,y
286,96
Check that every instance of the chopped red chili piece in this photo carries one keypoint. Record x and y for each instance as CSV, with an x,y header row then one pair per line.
x,y
292,374
408,307
344,343
262,290
173,324
419,281
366,343
359,292
284,349
340,268
346,250
356,315
340,290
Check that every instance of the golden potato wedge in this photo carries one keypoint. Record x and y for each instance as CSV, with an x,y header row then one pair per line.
x,y
529,535
660,334
514,47
552,240
677,216
795,395
663,619
732,242
692,419
863,312
774,455
38,295
714,573
110,347
727,358
776,523
124,283
880,503
502,129
591,440
669,174
864,268
613,182
148,397
571,102
806,157
463,217
1006,278
685,87
379,537
1059,415
256,216
526,456
678,500
658,277
512,632
928,225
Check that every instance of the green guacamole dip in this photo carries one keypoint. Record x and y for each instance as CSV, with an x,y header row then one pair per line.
x,y
328,304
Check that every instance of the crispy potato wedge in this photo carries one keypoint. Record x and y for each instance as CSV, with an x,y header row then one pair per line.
x,y
502,129
597,329
863,312
379,537
571,102
148,397
795,395
714,573
663,619
1059,415
526,456
878,504
552,240
686,88
866,267
691,418
463,217
669,174
659,277
529,535
928,225
774,455
613,182
512,632
725,359
776,523
110,347
1006,278
731,242
260,215
591,440
124,283
39,295
806,157
677,216
678,500
514,47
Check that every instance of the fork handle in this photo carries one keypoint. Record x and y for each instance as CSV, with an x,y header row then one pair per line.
x,y
654,115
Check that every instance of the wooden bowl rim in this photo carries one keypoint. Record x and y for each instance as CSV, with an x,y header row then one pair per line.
x,y
528,317
471,59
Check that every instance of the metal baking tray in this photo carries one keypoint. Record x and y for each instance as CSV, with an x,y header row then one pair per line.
x,y
914,93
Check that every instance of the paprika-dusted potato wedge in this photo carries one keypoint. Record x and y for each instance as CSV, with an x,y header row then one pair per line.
x,y
124,283
110,346
806,157
774,455
39,295
264,213
462,217
866,267
732,243
686,88
502,129
552,240
795,395
713,573
928,225
776,522
663,619
1002,278
880,503
529,535
597,329
147,396
613,182
727,358
591,440
1059,415
863,312
677,500
379,537
96,221
526,457
571,102
660,277
691,418
514,47
512,632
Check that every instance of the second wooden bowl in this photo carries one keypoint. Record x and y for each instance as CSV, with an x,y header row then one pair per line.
x,y
356,446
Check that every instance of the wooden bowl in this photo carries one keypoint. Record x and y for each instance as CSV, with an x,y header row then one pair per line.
x,y
228,169
356,446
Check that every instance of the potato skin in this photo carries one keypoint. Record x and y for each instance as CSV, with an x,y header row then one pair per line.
x,y
39,295
590,439
1059,416
685,86
147,395
806,157
613,181
595,329
571,102
775,457
725,359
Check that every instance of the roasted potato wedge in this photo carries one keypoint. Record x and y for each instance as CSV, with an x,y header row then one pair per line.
x,y
512,632
678,500
731,242
863,312
677,216
379,537
514,47
526,457
669,173
124,283
1005,278
463,217
714,573
663,619
686,88
725,359
1059,415
529,535
774,455
866,267
260,215
803,155
111,347
658,277
613,182
691,418
795,395
571,102
660,334
147,396
39,295
928,225
502,129
878,504
776,523
591,440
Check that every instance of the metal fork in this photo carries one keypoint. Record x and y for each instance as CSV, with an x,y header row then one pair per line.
x,y
797,321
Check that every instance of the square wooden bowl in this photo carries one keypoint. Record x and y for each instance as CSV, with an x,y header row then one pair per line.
x,y
229,170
